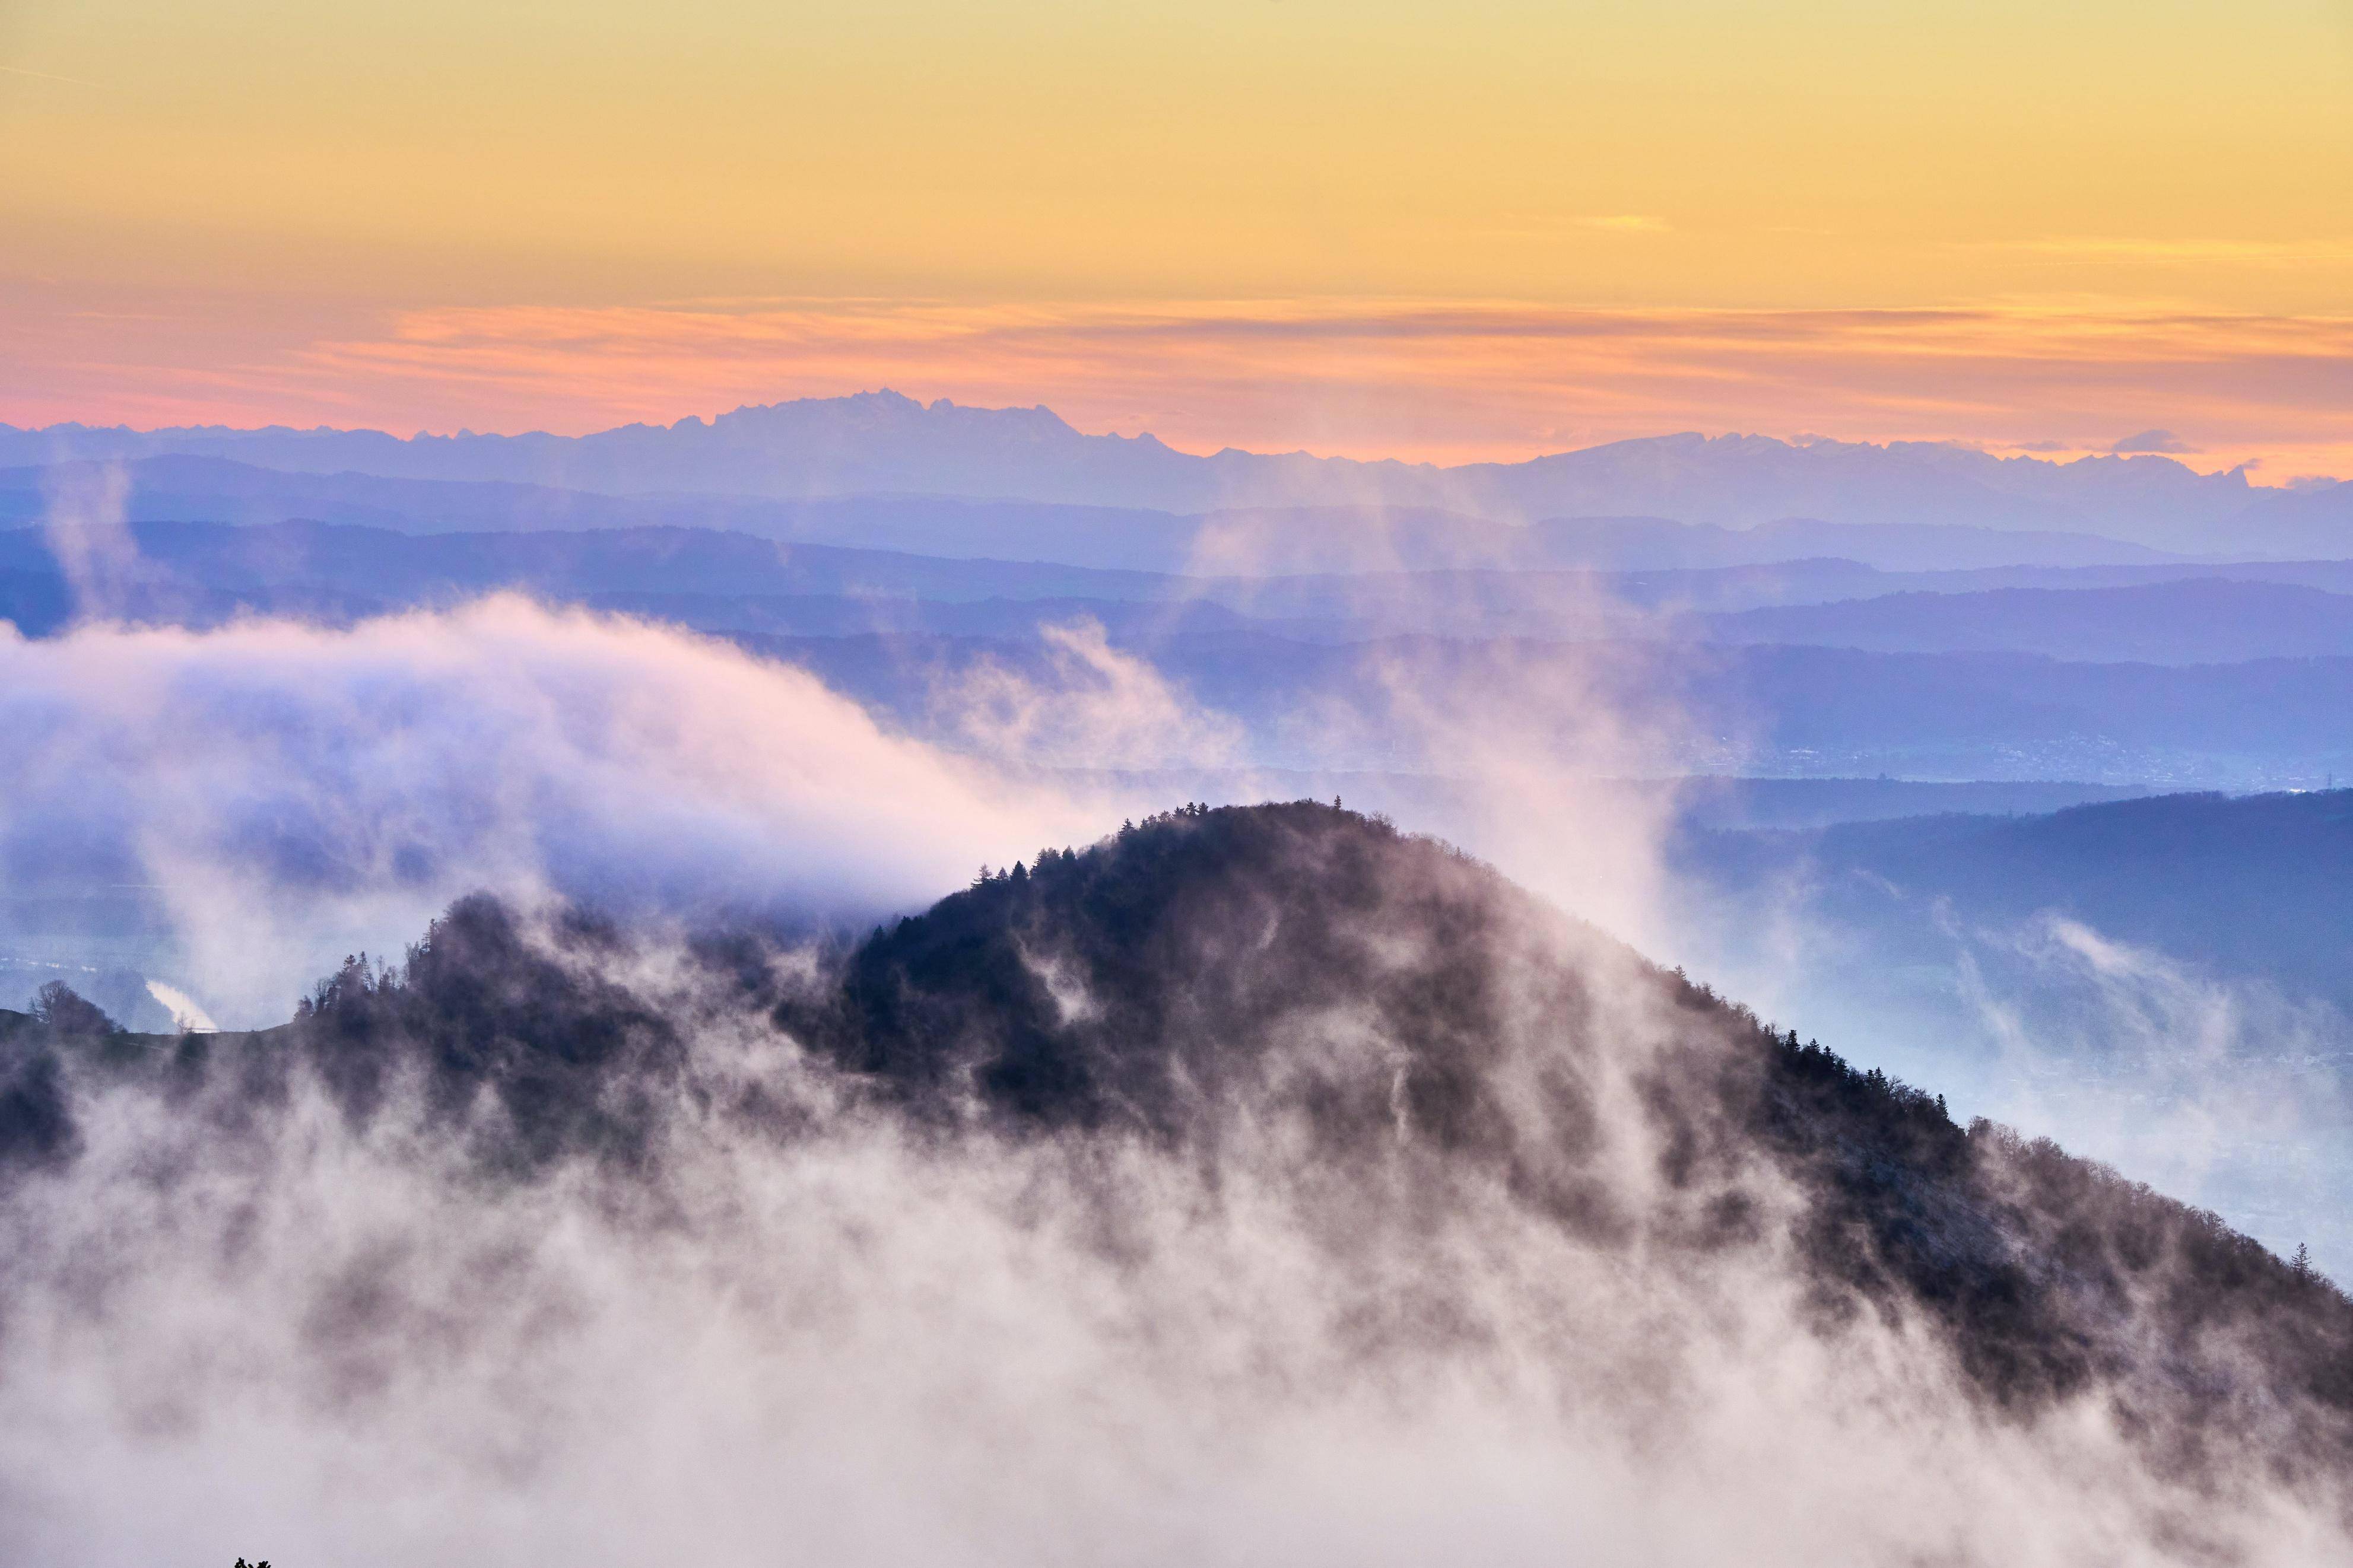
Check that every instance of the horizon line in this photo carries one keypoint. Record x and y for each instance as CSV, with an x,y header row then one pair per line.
x,y
2052,454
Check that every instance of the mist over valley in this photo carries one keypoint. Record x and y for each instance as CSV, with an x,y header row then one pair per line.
x,y
1651,1033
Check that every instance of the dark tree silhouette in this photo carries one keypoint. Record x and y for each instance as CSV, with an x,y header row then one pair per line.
x,y
65,1010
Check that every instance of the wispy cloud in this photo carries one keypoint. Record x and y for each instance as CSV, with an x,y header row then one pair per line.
x,y
1437,380
47,76
2130,248
287,794
2164,441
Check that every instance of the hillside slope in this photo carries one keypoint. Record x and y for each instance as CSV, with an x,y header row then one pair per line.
x,y
1351,1017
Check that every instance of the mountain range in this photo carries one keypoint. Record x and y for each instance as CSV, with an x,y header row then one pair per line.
x,y
2200,620
2177,674
882,443
1473,1111
2248,889
1254,541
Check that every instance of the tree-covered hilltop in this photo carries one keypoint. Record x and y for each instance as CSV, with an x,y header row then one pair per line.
x,y
1212,960
1306,994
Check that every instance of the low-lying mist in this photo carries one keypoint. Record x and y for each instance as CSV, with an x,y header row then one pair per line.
x,y
232,810
1260,1187
245,806
1256,1186
2180,1015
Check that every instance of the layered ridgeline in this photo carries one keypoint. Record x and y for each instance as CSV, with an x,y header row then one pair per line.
x,y
2238,677
883,444
1259,1184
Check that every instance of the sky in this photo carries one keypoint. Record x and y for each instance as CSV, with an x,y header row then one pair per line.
x,y
1481,230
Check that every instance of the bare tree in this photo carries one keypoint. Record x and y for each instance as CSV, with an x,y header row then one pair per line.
x,y
65,1010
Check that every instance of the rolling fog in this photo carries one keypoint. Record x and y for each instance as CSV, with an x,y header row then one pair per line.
x,y
240,1315
1368,1277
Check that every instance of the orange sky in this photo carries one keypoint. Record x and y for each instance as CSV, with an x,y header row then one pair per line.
x,y
1483,230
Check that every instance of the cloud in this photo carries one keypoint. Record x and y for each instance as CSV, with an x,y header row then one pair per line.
x,y
83,520
286,795
1459,381
2152,441
2189,252
182,1007
1091,705
267,1327
2230,1094
46,76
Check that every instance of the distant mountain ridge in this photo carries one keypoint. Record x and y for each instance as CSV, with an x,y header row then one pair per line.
x,y
1241,541
180,570
2249,887
881,442
2242,681
2199,620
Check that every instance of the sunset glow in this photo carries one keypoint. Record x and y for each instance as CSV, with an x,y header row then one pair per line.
x,y
1358,229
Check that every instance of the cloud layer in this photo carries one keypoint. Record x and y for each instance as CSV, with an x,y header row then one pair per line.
x,y
1526,1294
277,795
1447,381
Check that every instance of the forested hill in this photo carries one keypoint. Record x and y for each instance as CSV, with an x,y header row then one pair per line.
x,y
1211,961
1325,1009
